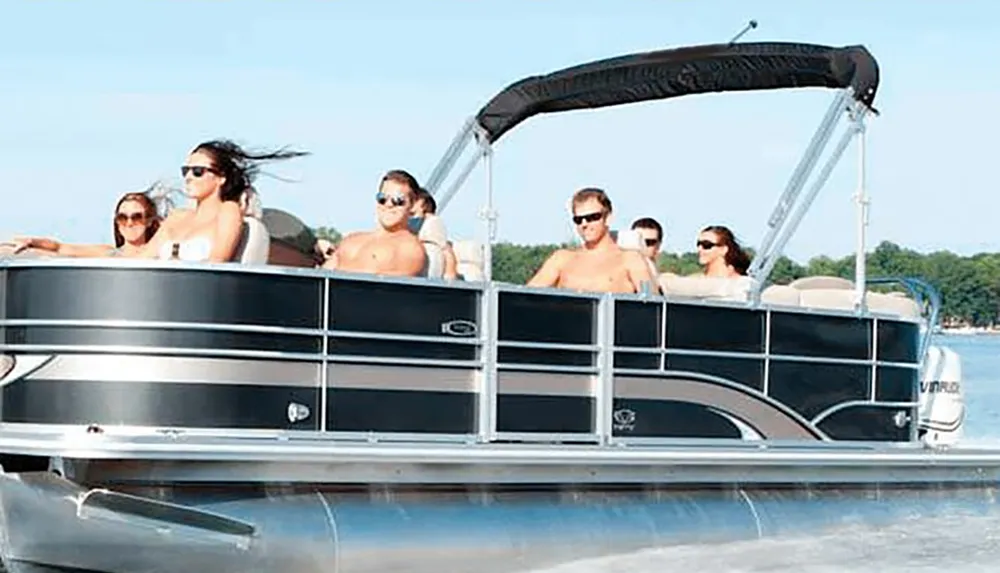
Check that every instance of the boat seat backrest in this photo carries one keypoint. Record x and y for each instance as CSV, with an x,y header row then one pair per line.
x,y
893,303
255,243
469,256
883,303
434,265
432,230
782,295
698,286
630,240
832,298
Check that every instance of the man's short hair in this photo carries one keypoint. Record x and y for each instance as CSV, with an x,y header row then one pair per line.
x,y
403,178
649,223
430,205
591,193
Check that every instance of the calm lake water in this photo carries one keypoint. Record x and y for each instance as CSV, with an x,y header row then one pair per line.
x,y
953,543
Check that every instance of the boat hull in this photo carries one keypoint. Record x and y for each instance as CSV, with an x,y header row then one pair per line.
x,y
52,524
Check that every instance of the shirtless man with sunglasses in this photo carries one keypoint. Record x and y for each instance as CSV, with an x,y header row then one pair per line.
x,y
391,249
600,265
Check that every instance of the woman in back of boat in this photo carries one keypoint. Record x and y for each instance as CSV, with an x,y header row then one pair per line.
x,y
135,222
216,175
719,254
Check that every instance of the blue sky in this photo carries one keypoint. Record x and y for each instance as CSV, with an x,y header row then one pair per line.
x,y
103,97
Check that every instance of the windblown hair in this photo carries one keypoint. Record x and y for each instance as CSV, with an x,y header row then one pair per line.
x,y
239,166
736,257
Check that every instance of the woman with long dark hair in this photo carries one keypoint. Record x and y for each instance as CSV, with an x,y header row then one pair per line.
x,y
719,253
216,175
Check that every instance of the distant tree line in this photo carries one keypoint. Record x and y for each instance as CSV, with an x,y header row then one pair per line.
x,y
969,286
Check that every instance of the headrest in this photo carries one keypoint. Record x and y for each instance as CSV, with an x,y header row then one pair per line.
x,y
289,229
630,239
433,231
822,282
255,244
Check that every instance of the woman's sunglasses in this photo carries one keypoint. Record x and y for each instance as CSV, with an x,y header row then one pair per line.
x,y
705,245
394,200
122,218
196,170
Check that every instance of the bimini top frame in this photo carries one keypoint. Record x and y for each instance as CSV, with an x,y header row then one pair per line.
x,y
665,74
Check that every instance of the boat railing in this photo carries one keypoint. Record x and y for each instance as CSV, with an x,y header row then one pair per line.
x,y
224,349
928,300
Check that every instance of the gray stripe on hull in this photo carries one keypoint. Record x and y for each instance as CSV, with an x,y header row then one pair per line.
x,y
180,369
767,419
545,383
407,378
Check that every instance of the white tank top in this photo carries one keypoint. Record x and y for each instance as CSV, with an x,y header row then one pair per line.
x,y
196,249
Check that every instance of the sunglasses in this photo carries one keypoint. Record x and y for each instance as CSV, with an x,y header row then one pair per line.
x,y
393,200
196,170
122,218
706,245
589,217
651,242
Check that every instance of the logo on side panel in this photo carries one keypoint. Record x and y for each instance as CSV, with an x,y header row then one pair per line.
x,y
623,420
459,327
297,412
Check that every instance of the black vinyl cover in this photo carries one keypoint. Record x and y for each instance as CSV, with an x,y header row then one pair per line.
x,y
679,72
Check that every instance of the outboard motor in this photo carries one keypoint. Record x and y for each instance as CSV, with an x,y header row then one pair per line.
x,y
942,406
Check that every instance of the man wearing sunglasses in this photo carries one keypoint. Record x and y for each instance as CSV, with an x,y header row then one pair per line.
x,y
392,248
651,232
600,265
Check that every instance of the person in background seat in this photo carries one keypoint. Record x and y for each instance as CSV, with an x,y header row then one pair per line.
x,y
392,248
600,264
719,254
431,229
652,236
135,222
216,174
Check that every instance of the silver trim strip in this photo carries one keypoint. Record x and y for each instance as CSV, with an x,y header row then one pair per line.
x,y
546,384
414,379
181,370
157,325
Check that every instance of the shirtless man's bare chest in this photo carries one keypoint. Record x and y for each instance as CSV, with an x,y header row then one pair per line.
x,y
600,271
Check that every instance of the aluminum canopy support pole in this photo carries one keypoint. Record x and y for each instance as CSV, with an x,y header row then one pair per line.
x,y
487,407
861,202
484,149
604,380
798,178
803,207
451,155
489,214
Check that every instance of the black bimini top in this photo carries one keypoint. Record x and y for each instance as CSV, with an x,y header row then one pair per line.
x,y
679,72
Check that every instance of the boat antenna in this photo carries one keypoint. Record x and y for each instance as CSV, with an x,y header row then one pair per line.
x,y
752,25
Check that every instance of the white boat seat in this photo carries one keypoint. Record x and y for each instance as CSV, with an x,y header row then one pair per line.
x,y
434,265
838,293
469,256
783,295
255,243
698,286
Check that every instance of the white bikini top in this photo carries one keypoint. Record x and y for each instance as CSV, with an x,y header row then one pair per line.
x,y
196,249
